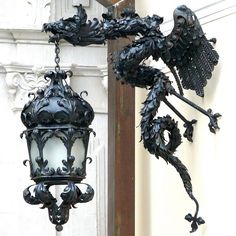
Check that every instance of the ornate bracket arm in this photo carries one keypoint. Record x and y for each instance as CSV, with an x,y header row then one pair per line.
x,y
78,31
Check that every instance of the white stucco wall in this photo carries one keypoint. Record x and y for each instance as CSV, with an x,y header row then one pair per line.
x,y
162,203
24,56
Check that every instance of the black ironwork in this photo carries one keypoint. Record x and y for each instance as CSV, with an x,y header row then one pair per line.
x,y
71,195
40,171
57,113
187,52
57,105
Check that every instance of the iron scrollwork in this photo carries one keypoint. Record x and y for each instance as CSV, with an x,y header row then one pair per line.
x,y
71,195
67,137
186,51
70,108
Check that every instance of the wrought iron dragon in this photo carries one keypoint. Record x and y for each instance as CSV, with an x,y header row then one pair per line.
x,y
187,52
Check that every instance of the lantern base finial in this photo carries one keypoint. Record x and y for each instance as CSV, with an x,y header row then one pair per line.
x,y
59,228
70,196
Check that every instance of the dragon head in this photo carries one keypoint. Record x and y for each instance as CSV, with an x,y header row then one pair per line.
x,y
184,15
59,29
67,28
49,27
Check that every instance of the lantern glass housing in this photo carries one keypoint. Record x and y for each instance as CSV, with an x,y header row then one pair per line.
x,y
58,154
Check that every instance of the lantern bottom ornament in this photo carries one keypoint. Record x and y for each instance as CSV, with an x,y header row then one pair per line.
x,y
58,214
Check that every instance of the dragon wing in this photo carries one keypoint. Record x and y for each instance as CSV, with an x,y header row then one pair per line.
x,y
190,52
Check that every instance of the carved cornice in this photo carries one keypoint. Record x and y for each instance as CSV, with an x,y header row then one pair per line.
x,y
24,79
20,81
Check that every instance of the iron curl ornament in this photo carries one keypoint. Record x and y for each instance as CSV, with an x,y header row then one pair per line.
x,y
186,51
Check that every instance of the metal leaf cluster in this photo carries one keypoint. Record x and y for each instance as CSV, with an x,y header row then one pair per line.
x,y
58,214
57,104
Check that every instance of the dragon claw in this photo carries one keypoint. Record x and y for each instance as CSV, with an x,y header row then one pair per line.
x,y
213,124
189,130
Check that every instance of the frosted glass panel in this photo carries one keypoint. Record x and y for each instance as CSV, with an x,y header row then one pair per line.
x,y
34,153
54,152
78,151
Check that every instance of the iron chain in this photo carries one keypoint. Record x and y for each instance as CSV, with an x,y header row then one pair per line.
x,y
57,58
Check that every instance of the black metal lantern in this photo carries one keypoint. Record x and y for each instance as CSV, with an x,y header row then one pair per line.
x,y
57,121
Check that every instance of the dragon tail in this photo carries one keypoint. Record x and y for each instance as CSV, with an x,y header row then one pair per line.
x,y
152,134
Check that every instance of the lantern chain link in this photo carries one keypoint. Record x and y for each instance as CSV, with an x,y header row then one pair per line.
x,y
57,58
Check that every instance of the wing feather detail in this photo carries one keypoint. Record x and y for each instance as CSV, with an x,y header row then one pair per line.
x,y
190,51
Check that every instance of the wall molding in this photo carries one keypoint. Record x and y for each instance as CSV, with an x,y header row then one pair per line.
x,y
32,36
20,81
23,79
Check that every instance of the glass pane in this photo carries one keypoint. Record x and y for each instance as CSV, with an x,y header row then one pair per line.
x,y
78,151
54,152
34,153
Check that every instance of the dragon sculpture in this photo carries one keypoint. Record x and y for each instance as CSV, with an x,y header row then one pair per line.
x,y
186,51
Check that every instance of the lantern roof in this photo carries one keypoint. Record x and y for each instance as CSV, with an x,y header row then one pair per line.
x,y
57,104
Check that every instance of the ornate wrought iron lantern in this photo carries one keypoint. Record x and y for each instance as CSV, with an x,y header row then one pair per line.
x,y
57,121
